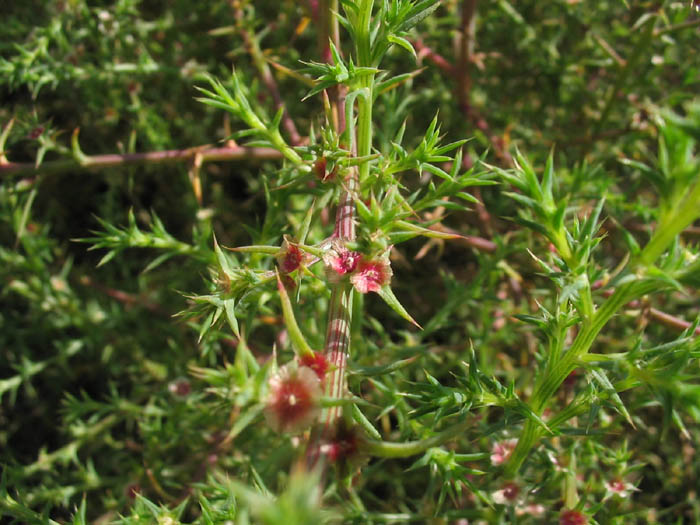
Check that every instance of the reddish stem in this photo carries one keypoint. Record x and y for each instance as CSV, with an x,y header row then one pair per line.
x,y
94,162
253,48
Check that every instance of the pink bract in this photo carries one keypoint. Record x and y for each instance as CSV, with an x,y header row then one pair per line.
x,y
370,276
344,262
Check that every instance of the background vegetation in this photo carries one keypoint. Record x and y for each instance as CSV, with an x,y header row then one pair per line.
x,y
117,409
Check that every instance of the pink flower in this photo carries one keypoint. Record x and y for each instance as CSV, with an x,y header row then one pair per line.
x,y
572,517
502,450
370,276
618,487
342,261
293,402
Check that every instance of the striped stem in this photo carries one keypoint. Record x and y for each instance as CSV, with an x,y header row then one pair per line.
x,y
337,346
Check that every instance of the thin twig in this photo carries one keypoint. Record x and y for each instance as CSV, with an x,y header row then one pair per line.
x,y
478,243
609,50
423,51
464,58
94,162
669,320
682,25
128,299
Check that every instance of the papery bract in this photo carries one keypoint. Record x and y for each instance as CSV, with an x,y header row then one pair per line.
x,y
293,402
342,261
370,276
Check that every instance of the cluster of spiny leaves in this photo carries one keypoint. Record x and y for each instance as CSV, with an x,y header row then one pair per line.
x,y
114,407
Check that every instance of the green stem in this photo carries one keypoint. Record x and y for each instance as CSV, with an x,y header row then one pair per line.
x,y
286,150
337,347
549,382
680,218
387,449
364,105
298,342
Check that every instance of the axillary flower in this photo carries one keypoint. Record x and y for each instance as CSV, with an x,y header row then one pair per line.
x,y
371,276
289,257
340,261
293,402
366,275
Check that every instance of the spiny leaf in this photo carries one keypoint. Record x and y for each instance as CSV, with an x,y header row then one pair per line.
x,y
387,294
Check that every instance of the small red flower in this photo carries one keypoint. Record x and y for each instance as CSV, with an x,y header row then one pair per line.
x,y
293,400
619,487
36,132
370,276
180,388
132,489
316,362
342,261
345,446
507,495
320,167
572,517
289,258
